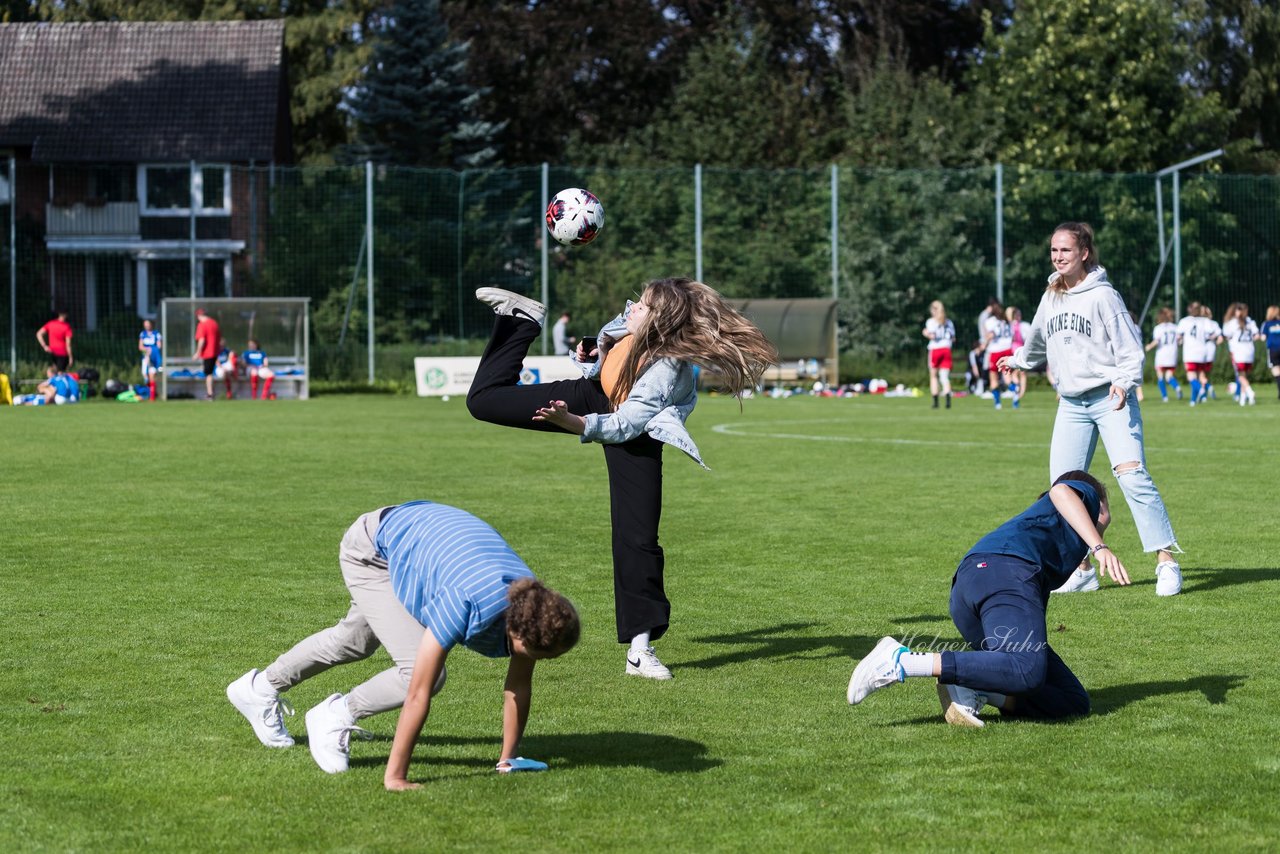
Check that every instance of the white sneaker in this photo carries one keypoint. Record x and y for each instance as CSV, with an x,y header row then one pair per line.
x,y
1080,581
1168,578
329,730
878,669
508,302
960,705
263,711
645,663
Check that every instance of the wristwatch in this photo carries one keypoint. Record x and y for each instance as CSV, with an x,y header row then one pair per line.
x,y
1099,547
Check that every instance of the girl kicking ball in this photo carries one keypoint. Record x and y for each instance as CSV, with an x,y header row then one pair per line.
x,y
637,390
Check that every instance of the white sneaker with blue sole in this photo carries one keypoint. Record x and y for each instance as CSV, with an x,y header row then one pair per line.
x,y
878,669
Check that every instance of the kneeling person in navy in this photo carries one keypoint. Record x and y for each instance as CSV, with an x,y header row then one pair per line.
x,y
998,600
423,578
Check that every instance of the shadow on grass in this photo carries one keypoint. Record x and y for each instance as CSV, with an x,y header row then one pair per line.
x,y
663,753
1200,580
1106,701
783,641
1214,687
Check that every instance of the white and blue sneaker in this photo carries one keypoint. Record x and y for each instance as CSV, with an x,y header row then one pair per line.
x,y
513,304
263,707
878,669
960,705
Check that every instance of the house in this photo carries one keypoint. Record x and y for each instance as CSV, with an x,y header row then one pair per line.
x,y
143,154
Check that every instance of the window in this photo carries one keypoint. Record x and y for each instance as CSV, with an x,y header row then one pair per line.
x,y
170,190
167,188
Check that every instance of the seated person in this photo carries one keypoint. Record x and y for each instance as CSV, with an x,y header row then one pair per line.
x,y
59,388
225,369
256,363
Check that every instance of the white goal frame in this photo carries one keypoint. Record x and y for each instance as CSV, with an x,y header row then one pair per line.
x,y
282,326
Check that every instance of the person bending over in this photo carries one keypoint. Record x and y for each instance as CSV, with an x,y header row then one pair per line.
x,y
999,595
423,578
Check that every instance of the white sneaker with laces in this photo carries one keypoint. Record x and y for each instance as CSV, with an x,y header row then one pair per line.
x,y
878,669
645,663
513,304
960,705
263,711
1080,581
329,730
1168,578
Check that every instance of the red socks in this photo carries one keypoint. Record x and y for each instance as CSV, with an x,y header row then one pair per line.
x,y
253,386
266,388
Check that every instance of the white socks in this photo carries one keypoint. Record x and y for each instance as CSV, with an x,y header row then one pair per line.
x,y
916,663
639,642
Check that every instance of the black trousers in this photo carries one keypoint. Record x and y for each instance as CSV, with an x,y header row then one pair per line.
x,y
635,470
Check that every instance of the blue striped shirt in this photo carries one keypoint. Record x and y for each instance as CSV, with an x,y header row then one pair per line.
x,y
451,571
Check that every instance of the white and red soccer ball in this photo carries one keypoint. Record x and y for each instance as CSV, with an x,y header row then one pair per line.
x,y
575,216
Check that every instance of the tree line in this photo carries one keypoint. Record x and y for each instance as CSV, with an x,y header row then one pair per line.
x,y
1091,85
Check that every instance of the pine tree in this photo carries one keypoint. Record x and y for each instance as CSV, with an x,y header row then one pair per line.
x,y
414,106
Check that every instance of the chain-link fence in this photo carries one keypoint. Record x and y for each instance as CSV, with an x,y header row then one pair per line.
x,y
107,243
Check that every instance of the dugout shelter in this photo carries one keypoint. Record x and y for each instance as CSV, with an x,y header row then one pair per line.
x,y
804,331
280,325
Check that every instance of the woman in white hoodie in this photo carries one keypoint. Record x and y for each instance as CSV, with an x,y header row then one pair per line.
x,y
1094,350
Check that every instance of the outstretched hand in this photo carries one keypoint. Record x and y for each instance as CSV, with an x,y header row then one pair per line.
x,y
557,412
1111,565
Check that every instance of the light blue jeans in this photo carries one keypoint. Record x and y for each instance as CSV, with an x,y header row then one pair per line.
x,y
1081,420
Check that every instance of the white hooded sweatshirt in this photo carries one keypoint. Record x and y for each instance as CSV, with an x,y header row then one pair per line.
x,y
1087,336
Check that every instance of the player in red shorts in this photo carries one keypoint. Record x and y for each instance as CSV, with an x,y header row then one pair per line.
x,y
999,340
941,333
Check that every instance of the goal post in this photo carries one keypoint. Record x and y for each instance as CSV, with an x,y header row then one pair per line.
x,y
280,325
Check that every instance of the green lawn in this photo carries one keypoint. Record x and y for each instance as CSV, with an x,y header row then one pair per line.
x,y
153,553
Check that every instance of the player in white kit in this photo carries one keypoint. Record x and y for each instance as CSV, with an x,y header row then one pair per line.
x,y
1164,340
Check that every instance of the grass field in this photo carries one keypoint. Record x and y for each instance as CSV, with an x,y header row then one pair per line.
x,y
154,553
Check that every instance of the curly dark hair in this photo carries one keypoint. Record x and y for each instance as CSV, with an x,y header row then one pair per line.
x,y
546,621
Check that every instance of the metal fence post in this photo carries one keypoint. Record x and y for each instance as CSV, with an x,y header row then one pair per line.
x,y
462,186
539,219
1000,232
368,228
1177,248
835,231
191,202
697,221
13,267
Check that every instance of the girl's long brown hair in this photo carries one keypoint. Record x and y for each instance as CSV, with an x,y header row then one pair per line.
x,y
688,320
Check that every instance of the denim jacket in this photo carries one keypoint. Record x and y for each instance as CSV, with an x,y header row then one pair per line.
x,y
660,401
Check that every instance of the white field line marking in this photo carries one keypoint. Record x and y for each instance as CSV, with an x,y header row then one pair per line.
x,y
732,430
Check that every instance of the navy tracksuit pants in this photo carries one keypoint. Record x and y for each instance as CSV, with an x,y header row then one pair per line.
x,y
998,603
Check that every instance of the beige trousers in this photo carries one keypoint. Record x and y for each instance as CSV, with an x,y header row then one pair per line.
x,y
376,618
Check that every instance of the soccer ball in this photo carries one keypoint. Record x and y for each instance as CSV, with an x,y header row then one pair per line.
x,y
575,217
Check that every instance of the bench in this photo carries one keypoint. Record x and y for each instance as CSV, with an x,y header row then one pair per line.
x,y
187,378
